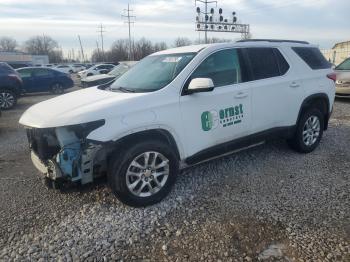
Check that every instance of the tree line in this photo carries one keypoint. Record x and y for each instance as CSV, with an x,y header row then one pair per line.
x,y
119,50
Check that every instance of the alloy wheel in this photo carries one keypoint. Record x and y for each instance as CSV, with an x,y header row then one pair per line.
x,y
311,130
147,174
7,100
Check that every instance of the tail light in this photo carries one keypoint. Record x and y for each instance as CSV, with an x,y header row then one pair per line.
x,y
15,77
332,76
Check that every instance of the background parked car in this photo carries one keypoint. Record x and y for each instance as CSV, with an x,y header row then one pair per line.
x,y
96,70
10,86
44,80
343,71
78,67
118,71
343,78
65,69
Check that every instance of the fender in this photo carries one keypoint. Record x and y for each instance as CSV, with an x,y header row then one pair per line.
x,y
172,136
308,101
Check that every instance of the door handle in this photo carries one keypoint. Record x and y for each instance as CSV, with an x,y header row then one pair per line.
x,y
294,84
241,95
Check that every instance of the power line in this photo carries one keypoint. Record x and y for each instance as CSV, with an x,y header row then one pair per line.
x,y
129,20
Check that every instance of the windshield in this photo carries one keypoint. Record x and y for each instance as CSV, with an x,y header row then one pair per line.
x,y
345,65
153,72
118,70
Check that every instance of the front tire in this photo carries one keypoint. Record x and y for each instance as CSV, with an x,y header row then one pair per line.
x,y
309,131
143,174
8,99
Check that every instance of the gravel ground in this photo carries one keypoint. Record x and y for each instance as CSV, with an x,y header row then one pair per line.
x,y
266,203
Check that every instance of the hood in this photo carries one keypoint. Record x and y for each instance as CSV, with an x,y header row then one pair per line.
x,y
97,77
74,108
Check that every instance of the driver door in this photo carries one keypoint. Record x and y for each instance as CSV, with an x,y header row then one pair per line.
x,y
224,114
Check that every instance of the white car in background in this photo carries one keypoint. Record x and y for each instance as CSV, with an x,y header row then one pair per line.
x,y
118,71
78,67
96,70
343,78
64,69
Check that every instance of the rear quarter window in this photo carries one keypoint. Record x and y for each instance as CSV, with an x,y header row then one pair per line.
x,y
313,57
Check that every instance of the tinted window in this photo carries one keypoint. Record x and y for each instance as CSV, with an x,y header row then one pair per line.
x,y
42,72
344,66
266,62
222,67
25,73
313,57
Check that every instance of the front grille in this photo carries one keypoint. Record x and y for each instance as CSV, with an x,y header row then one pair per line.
x,y
43,142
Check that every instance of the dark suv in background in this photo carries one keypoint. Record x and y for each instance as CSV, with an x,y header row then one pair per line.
x,y
10,86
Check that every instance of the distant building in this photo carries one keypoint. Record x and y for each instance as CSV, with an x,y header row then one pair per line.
x,y
20,58
338,53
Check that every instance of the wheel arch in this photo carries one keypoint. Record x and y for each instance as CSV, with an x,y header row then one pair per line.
x,y
159,134
320,101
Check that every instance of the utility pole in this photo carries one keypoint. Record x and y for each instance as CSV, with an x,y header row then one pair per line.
x,y
98,51
82,50
206,14
129,21
101,30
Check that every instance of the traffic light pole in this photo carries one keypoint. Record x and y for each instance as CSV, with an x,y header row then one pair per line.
x,y
206,2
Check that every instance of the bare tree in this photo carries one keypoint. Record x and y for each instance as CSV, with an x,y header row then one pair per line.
x,y
119,51
160,46
142,48
182,41
8,44
213,40
43,45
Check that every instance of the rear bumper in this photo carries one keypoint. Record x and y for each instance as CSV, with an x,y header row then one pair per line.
x,y
343,90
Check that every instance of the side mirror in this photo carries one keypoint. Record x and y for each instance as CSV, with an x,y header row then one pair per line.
x,y
199,85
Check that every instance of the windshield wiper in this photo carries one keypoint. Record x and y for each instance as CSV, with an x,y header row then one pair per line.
x,y
126,90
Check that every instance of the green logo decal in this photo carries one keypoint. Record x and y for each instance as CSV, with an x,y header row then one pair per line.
x,y
226,117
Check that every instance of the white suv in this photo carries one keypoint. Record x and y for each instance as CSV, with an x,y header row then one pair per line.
x,y
179,107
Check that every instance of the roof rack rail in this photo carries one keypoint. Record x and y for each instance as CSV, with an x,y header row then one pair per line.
x,y
273,41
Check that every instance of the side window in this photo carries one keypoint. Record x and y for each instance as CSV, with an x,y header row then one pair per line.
x,y
344,66
25,73
42,72
266,62
222,67
313,57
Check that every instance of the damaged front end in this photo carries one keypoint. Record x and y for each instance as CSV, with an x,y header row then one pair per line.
x,y
64,154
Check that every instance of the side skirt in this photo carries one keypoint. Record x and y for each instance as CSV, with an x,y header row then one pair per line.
x,y
238,145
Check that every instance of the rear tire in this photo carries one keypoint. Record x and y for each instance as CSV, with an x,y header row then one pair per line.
x,y
138,182
8,99
309,131
57,89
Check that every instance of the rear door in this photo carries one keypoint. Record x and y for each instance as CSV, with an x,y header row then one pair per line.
x,y
223,114
276,90
44,79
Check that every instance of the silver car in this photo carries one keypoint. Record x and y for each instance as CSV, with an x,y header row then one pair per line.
x,y
343,78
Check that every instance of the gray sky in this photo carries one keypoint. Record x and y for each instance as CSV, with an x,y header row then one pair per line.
x,y
322,22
